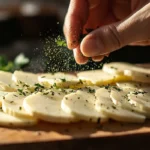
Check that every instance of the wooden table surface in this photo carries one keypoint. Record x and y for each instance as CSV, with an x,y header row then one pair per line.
x,y
111,135
53,133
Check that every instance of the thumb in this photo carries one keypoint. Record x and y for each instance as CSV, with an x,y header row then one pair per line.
x,y
114,36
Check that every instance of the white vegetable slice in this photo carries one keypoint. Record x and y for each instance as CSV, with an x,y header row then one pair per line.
x,y
120,98
11,121
132,85
139,100
58,79
82,104
98,77
12,104
136,73
139,74
6,81
48,109
21,78
2,94
117,67
105,104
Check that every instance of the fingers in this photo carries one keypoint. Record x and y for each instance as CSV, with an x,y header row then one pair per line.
x,y
121,8
74,21
112,37
97,14
141,43
98,58
79,58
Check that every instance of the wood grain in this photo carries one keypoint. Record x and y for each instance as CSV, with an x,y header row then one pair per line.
x,y
47,132
54,132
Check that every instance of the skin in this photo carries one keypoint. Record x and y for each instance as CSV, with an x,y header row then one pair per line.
x,y
116,23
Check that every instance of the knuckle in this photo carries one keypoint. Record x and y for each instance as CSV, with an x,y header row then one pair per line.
x,y
110,38
114,36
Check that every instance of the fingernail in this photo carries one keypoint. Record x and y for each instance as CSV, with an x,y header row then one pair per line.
x,y
91,47
80,59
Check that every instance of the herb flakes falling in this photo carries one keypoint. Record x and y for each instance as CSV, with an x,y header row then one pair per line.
x,y
60,59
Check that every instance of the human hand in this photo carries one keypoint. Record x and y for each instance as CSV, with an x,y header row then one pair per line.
x,y
117,23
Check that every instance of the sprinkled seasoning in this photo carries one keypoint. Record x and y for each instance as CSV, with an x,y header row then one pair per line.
x,y
139,92
80,81
46,93
113,107
60,59
113,67
63,80
116,88
43,77
91,90
107,87
21,92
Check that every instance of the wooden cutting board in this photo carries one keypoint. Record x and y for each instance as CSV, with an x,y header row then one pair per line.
x,y
82,135
56,132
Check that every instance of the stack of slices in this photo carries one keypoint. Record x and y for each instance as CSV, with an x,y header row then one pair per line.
x,y
119,91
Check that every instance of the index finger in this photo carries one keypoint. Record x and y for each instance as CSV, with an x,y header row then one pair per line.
x,y
75,19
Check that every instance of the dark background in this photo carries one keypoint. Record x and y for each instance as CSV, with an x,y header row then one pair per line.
x,y
24,25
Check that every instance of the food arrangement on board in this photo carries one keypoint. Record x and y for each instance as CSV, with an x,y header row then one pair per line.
x,y
119,91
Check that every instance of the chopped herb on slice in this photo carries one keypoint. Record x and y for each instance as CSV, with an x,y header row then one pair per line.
x,y
91,90
116,88
20,108
113,68
39,85
43,76
80,81
107,87
15,95
55,86
46,93
63,80
139,92
20,82
20,90
98,120
52,93
11,101
113,107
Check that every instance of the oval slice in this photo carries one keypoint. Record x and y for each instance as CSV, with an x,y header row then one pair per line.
x,y
11,121
22,79
121,99
59,79
137,99
105,104
117,68
12,104
47,108
82,105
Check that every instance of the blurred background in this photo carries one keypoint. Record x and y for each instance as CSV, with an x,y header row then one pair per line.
x,y
24,24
